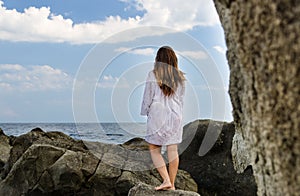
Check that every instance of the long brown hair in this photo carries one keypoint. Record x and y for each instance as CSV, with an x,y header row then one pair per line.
x,y
166,71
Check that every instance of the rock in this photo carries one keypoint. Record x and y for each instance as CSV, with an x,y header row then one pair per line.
x,y
69,172
136,144
147,190
25,173
214,172
37,136
103,181
5,148
131,178
124,166
55,164
263,54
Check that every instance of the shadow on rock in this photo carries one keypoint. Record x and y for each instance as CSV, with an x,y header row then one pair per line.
x,y
214,172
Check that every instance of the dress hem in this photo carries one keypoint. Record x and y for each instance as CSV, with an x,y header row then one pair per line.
x,y
165,144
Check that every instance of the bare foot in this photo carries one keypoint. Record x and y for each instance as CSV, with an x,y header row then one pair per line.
x,y
166,185
172,188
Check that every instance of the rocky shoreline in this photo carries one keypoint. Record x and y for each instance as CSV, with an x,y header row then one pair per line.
x,y
52,163
47,163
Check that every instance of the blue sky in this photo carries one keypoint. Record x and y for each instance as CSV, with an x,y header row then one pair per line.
x,y
51,69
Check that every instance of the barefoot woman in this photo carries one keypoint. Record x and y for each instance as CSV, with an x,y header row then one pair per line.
x,y
163,104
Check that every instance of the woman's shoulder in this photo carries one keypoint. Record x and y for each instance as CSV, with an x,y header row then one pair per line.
x,y
181,87
151,74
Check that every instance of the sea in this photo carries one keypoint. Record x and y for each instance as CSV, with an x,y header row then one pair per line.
x,y
115,133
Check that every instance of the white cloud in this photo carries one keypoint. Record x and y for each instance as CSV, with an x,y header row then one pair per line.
x,y
194,54
143,51
6,86
138,51
40,25
150,51
33,78
11,67
108,81
220,49
177,14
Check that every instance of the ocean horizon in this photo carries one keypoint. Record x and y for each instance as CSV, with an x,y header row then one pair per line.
x,y
107,132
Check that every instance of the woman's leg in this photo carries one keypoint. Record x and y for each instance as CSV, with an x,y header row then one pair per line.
x,y
160,165
173,163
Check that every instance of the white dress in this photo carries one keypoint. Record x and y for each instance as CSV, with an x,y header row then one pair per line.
x,y
164,122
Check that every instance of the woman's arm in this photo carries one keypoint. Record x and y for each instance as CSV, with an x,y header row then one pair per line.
x,y
148,94
182,93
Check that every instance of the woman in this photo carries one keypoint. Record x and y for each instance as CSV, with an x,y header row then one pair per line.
x,y
163,105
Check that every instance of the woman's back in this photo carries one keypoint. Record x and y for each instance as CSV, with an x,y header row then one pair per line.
x,y
163,100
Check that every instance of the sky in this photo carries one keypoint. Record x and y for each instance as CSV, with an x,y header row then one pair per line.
x,y
87,61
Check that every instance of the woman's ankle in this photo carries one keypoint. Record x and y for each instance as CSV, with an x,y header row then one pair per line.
x,y
172,188
167,181
166,185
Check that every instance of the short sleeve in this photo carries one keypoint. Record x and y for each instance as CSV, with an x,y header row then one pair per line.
x,y
148,94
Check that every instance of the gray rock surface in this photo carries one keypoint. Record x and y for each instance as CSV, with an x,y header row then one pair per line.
x,y
26,172
37,136
53,163
214,172
263,54
5,148
147,190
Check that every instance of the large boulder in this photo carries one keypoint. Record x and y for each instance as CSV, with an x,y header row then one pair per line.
x,y
214,171
54,164
37,136
263,54
26,172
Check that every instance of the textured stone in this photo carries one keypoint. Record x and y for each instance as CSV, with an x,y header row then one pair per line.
x,y
38,136
214,171
25,173
263,54
147,190
55,164
4,149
